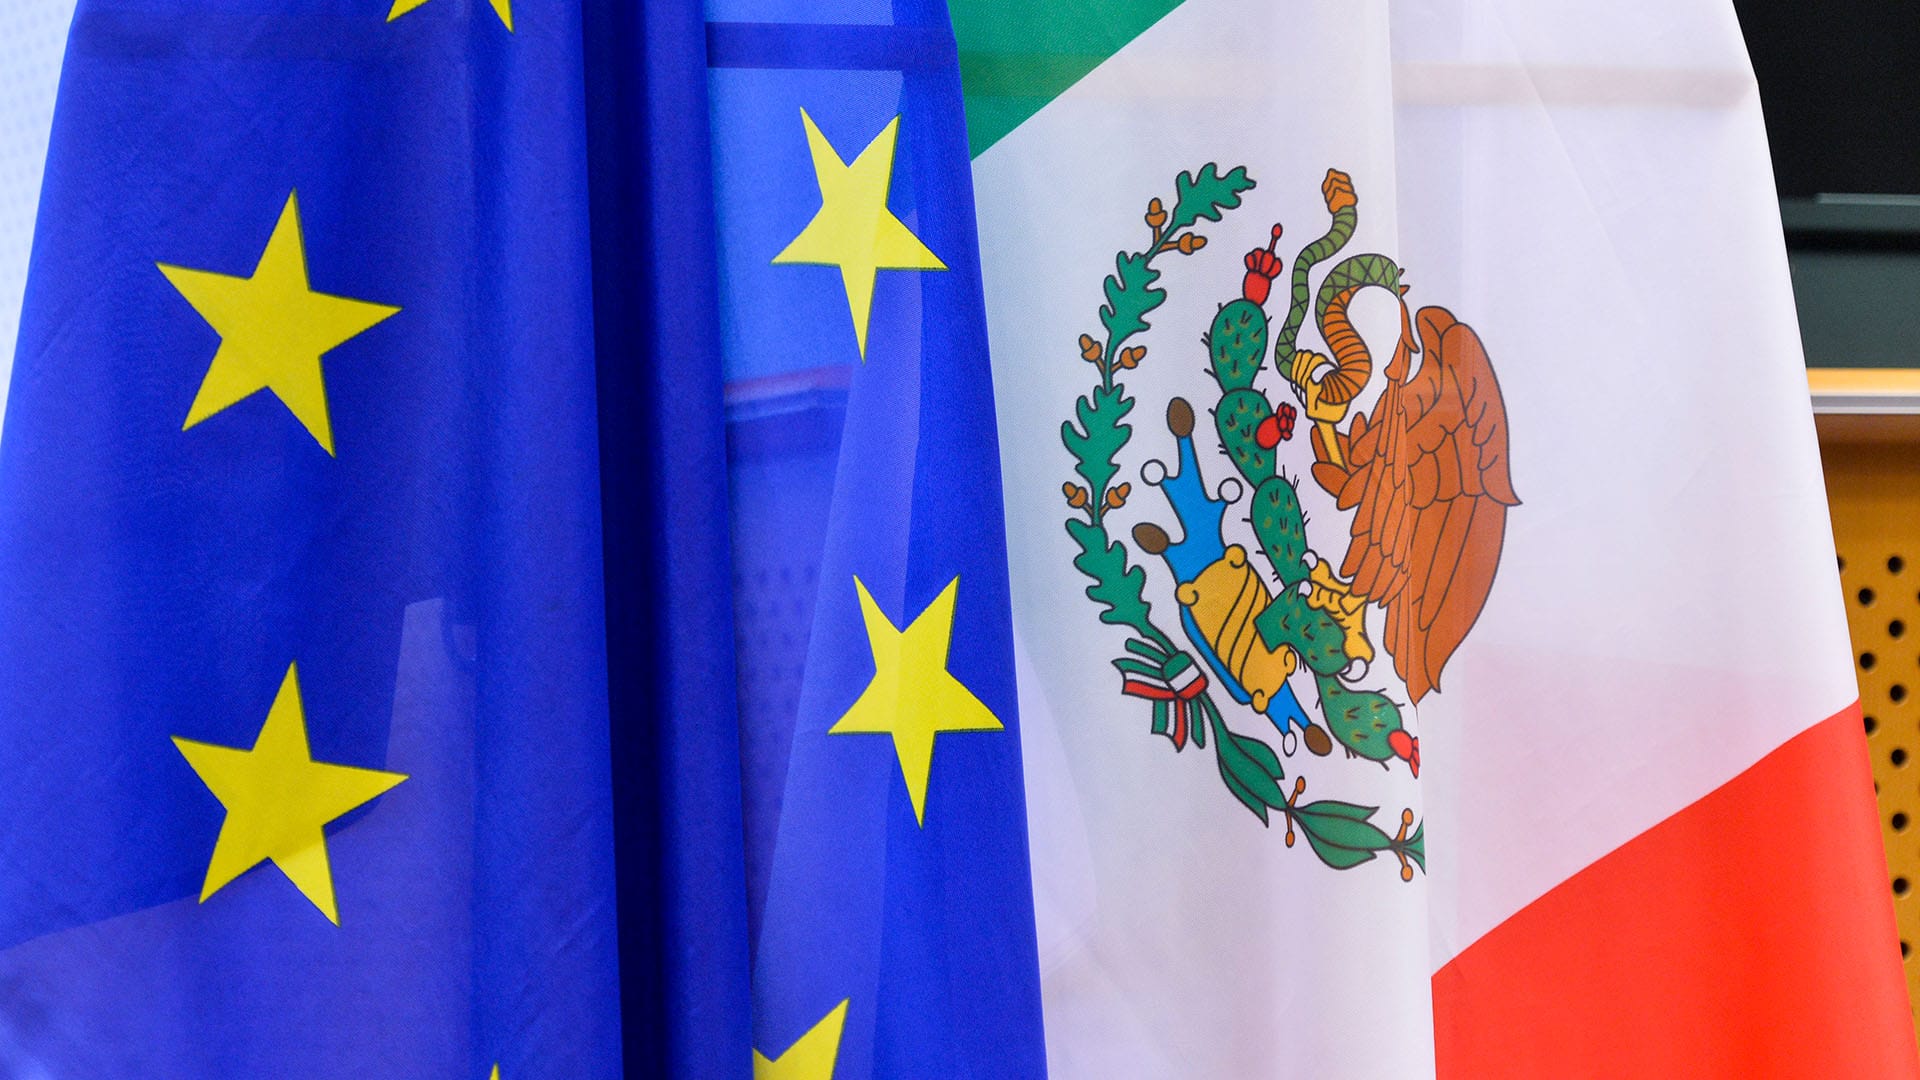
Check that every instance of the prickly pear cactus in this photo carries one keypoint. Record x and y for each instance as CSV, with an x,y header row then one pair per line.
x,y
1237,343
1361,720
1281,529
1238,419
1310,632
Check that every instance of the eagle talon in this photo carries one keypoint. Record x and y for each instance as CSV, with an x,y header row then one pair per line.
x,y
1308,366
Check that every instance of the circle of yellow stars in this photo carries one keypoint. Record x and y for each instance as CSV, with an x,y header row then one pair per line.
x,y
274,330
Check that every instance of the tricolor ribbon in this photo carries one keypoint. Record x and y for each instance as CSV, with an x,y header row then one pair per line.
x,y
1178,692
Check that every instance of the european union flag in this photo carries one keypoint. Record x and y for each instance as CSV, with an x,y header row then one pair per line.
x,y
303,709
888,892
501,566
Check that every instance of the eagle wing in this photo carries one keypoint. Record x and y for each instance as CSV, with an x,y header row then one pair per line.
x,y
1426,475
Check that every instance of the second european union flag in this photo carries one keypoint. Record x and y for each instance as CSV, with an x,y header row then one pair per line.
x,y
889,897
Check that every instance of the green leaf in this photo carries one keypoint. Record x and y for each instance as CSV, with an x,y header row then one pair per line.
x,y
1246,775
1340,833
1339,809
1337,826
1340,858
1130,295
1206,195
1247,798
1262,754
1117,587
1236,779
1099,436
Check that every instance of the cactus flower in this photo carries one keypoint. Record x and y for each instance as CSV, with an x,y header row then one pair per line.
x,y
1262,267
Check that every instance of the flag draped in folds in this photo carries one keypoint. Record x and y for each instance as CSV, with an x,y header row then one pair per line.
x,y
1431,654
535,540
501,560
303,717
889,906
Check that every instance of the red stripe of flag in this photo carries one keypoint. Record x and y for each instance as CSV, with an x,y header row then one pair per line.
x,y
1750,935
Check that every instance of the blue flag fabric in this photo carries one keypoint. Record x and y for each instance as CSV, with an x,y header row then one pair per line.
x,y
670,633
501,566
303,712
889,898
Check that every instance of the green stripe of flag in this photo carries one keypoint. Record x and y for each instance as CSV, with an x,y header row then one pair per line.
x,y
1016,57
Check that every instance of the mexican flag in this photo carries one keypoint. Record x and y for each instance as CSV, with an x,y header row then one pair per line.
x,y
1431,655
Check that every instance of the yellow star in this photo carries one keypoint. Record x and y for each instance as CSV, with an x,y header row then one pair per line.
x,y
854,230
495,1074
278,799
273,329
812,1057
912,696
502,8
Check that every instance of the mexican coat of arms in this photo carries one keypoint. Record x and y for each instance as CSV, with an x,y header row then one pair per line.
x,y
1421,479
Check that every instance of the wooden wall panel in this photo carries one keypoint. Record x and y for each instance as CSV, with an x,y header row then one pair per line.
x,y
1873,483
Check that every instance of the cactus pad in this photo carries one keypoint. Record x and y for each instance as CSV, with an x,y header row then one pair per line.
x,y
1310,632
1237,343
1281,528
1239,417
1361,720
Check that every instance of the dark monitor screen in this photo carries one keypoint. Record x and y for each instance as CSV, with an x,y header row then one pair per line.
x,y
1840,83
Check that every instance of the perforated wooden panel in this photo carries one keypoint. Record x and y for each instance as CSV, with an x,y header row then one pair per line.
x,y
1873,482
